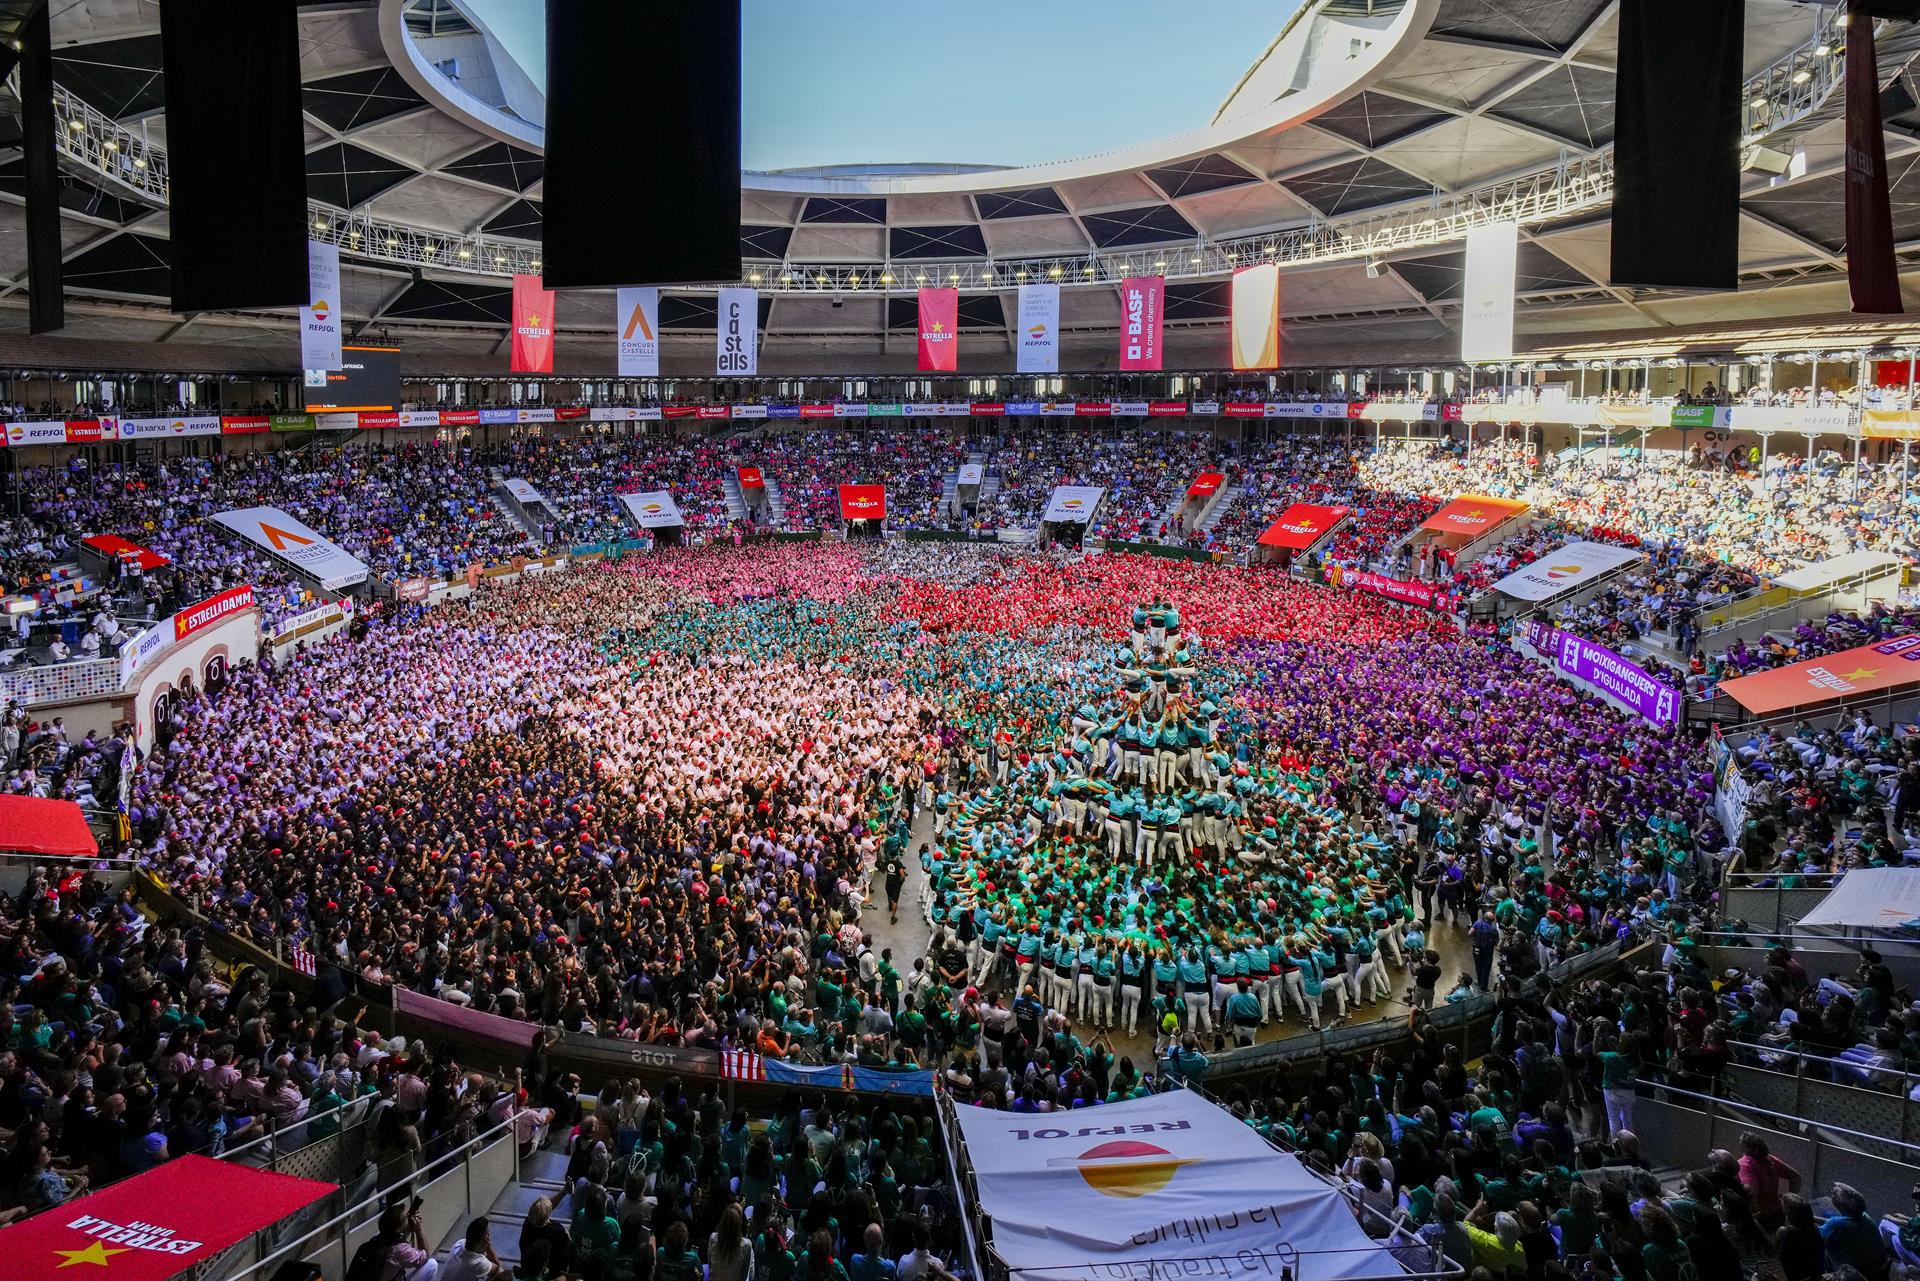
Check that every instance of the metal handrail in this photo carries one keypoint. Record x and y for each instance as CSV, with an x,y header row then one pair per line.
x,y
342,1222
1663,1088
1806,1057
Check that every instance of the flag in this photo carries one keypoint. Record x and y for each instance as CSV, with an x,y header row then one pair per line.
x,y
532,327
1872,279
1037,346
637,322
736,344
939,330
739,1065
1142,299
1255,311
303,961
320,318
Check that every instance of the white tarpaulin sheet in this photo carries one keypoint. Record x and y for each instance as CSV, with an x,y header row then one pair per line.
x,y
971,474
1074,503
522,492
1170,1185
653,509
307,550
1875,898
1564,569
1840,568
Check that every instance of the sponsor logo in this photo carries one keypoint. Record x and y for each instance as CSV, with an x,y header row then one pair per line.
x,y
281,538
210,611
1037,332
1126,1168
637,323
126,1238
320,309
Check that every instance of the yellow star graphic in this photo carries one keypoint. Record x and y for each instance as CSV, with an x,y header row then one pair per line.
x,y
1861,674
95,1253
1475,514
939,326
533,319
1307,524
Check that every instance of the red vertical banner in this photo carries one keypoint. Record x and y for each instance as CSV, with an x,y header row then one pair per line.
x,y
939,330
1871,277
1142,299
532,326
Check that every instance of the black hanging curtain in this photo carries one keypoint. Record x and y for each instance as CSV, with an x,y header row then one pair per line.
x,y
1676,151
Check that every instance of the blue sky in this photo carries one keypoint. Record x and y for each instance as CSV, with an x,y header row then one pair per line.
x,y
985,81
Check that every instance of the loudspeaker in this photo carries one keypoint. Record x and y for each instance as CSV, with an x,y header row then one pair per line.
x,y
642,180
236,153
1676,150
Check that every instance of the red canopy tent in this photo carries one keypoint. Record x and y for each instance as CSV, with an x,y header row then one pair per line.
x,y
112,545
31,825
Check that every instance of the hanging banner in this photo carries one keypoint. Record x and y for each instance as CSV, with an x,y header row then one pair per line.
x,y
1255,312
970,474
1142,298
1131,408
1073,503
148,428
1873,281
1302,525
196,618
736,341
1486,317
1166,408
988,409
1564,569
750,478
173,1220
244,424
1037,341
748,411
532,327
1425,595
637,321
1614,677
653,509
320,318
311,552
1206,484
863,502
939,330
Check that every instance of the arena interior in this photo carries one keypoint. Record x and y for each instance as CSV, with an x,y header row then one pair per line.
x,y
1325,691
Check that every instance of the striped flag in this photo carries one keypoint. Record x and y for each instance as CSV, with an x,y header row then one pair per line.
x,y
739,1065
303,961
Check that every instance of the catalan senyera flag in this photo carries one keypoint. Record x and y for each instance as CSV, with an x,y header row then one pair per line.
x,y
532,326
939,330
1256,317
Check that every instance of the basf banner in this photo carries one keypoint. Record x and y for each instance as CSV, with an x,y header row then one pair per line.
x,y
637,321
1037,342
311,552
653,509
1486,317
532,327
320,318
1074,504
1256,317
1142,298
863,502
1138,1189
736,345
939,330
1563,569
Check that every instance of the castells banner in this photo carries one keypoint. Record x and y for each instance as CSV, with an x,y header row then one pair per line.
x,y
174,1219
1139,1189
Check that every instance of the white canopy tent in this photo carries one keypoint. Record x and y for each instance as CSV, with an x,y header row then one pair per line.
x,y
1159,1186
1883,899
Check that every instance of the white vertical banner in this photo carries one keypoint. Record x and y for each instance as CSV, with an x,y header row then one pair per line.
x,y
637,321
1037,343
736,349
320,318
1486,321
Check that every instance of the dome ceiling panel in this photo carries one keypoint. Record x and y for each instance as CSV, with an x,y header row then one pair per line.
x,y
347,176
1030,202
355,98
1145,225
1571,102
929,209
336,38
764,242
1547,25
1373,120
1108,191
1467,150
1245,209
1356,185
1345,287
127,264
811,313
453,302
849,210
423,139
499,165
959,240
1200,174
1011,237
119,78
427,202
1460,76
827,242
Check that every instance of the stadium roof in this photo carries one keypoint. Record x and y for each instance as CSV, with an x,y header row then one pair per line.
x,y
1369,117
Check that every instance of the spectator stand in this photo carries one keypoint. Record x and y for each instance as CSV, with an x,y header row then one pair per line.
x,y
1854,581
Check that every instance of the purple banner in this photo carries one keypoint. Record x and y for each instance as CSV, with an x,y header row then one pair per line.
x,y
1612,676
